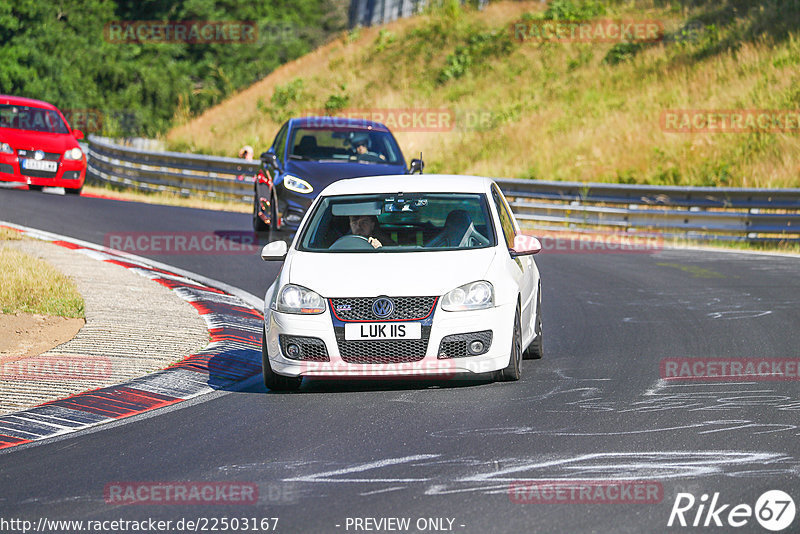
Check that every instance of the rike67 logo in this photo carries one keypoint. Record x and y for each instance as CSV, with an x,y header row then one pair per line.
x,y
774,510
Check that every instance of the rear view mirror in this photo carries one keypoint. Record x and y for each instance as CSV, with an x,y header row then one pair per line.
x,y
77,134
269,159
525,245
275,251
416,166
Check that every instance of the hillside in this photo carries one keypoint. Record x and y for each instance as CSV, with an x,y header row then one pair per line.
x,y
539,109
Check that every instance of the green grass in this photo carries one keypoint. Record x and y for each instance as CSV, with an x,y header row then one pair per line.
x,y
31,285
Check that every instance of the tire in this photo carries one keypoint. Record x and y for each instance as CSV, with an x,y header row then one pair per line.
x,y
513,371
273,381
73,191
258,224
273,213
534,350
35,187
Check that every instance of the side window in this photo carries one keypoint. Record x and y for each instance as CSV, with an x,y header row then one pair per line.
x,y
506,220
280,142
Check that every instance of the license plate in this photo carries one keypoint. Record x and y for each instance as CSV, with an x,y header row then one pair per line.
x,y
39,165
375,331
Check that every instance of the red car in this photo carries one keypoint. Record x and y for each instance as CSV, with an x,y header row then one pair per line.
x,y
38,147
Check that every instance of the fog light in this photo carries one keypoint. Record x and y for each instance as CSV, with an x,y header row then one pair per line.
x,y
293,350
476,347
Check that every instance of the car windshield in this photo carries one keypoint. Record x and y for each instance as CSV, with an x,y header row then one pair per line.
x,y
32,119
410,222
344,144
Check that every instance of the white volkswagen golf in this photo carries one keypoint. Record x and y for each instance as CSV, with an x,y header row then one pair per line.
x,y
425,276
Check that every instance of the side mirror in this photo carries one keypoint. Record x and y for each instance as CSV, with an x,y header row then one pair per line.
x,y
77,134
269,159
416,166
525,245
275,251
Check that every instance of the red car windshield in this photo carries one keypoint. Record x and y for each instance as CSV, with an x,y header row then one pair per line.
x,y
31,119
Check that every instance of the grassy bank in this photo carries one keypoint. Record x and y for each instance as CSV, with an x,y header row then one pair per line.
x,y
550,110
166,199
31,285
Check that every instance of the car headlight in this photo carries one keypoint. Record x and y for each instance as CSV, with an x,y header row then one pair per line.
x,y
5,148
474,296
298,185
73,153
298,299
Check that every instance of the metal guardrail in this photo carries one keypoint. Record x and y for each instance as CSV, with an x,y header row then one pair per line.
x,y
173,172
684,212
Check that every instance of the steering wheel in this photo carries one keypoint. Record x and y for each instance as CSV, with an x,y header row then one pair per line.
x,y
352,242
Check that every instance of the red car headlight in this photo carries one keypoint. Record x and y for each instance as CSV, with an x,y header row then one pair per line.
x,y
73,154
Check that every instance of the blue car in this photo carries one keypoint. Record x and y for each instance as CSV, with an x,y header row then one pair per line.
x,y
310,153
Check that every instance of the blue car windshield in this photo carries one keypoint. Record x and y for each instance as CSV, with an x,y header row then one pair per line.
x,y
344,144
421,222
31,119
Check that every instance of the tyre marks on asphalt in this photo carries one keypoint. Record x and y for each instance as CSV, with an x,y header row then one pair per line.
x,y
232,355
449,473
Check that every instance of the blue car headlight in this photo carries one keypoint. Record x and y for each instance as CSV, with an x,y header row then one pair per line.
x,y
298,185
473,296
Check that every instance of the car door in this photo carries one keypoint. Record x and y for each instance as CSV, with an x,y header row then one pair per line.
x,y
527,270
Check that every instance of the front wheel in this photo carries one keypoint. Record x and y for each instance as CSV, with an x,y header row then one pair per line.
x,y
73,190
35,187
534,350
513,371
274,381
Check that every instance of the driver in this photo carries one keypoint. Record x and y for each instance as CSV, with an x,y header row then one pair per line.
x,y
368,226
360,143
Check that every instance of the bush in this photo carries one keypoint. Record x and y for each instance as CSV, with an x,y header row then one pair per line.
x,y
569,10
479,48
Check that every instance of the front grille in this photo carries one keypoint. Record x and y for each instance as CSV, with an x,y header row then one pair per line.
x,y
360,308
312,349
5,167
48,156
39,174
387,351
455,346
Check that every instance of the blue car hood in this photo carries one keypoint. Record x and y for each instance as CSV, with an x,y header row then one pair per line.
x,y
322,174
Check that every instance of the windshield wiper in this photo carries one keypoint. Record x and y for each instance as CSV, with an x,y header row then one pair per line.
x,y
298,156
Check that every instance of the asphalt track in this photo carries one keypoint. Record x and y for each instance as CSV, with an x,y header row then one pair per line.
x,y
593,408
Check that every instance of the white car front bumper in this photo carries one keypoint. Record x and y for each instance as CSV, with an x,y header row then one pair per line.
x,y
499,320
